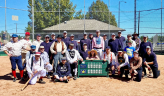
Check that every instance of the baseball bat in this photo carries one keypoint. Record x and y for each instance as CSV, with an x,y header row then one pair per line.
x,y
26,84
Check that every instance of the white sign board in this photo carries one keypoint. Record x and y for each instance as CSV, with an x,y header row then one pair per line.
x,y
15,18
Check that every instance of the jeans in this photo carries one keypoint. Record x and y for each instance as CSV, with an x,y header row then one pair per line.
x,y
126,69
155,71
16,60
139,75
57,57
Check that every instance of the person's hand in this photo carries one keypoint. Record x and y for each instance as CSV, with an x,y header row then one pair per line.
x,y
148,67
64,78
81,59
145,63
62,52
9,54
131,71
118,68
32,74
75,61
61,79
47,63
104,60
55,52
35,71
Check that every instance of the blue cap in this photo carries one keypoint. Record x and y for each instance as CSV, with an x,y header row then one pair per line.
x,y
47,36
14,35
84,44
85,33
145,36
72,35
113,34
38,35
108,47
65,32
33,47
63,58
52,33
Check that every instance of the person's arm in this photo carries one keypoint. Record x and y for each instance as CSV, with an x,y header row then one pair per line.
x,y
134,44
89,43
5,49
47,57
126,61
93,42
28,66
76,46
138,65
27,56
68,70
69,58
52,48
113,58
81,45
42,65
153,61
97,58
151,47
58,70
102,44
65,48
131,63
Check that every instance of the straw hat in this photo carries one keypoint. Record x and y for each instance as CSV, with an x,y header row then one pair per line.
x,y
92,51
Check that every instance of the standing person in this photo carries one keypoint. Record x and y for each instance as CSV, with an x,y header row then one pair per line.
x,y
129,38
58,48
142,51
65,38
73,56
27,42
98,43
47,45
105,42
35,68
30,54
110,57
37,42
63,73
4,37
136,64
85,40
91,38
137,40
53,38
121,39
45,58
114,44
13,50
73,42
150,61
122,63
84,53
92,55
129,50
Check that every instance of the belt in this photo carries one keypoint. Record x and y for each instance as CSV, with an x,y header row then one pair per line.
x,y
15,56
98,48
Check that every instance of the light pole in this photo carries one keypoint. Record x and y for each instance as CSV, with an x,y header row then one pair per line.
x,y
119,13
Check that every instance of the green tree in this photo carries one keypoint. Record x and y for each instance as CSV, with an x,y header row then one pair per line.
x,y
47,19
99,11
79,15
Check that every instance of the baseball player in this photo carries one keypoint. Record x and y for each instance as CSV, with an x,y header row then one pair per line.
x,y
45,58
73,56
63,71
37,42
27,42
35,68
13,50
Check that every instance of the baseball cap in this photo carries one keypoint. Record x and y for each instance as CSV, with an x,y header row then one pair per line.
x,y
38,35
129,35
37,53
90,34
108,47
113,34
65,32
72,35
27,33
85,33
136,52
47,36
63,58
119,31
97,30
41,47
147,47
33,47
14,35
145,36
120,50
104,35
59,36
52,33
71,44
130,41
84,44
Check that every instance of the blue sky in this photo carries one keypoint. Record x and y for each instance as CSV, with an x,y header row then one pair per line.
x,y
150,20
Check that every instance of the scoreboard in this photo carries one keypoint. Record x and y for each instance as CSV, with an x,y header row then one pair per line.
x,y
93,68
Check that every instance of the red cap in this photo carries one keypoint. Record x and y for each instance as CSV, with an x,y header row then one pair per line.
x,y
37,53
27,33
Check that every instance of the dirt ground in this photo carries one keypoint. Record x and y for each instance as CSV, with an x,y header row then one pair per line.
x,y
84,86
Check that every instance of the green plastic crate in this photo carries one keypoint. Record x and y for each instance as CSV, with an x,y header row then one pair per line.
x,y
2,53
93,68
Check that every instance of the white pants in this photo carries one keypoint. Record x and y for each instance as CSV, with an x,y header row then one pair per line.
x,y
48,67
38,74
100,52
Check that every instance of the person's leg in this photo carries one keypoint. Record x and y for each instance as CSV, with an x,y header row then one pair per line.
x,y
75,71
139,75
23,58
126,70
60,56
144,70
155,71
55,62
42,74
13,67
72,68
33,80
121,71
20,67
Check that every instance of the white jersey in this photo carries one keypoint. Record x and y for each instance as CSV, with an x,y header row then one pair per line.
x,y
110,57
14,48
37,44
72,55
26,43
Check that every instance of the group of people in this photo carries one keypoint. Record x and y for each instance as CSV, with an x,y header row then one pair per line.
x,y
60,55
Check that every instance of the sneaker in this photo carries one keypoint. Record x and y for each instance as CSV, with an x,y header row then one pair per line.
x,y
75,77
66,81
56,80
150,73
48,77
41,81
14,79
22,79
145,76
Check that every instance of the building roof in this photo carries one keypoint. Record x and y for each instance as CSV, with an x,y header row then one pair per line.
x,y
78,24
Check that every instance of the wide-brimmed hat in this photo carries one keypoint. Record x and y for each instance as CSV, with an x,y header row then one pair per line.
x,y
135,34
92,51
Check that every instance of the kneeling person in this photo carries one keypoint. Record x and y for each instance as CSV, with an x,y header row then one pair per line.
x,y
45,58
63,71
35,68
